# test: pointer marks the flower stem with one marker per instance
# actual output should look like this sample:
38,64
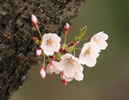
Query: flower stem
74,53
84,39
44,59
78,48
65,39
39,33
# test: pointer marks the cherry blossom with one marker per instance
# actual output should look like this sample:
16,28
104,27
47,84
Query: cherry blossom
71,67
100,40
89,53
50,43
61,60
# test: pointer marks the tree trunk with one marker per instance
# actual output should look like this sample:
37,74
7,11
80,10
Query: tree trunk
17,50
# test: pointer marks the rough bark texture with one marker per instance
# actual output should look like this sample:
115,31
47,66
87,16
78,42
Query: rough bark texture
17,50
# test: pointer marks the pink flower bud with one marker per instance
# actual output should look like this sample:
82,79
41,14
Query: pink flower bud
53,58
66,27
42,72
62,75
34,21
77,42
51,65
89,38
64,82
34,38
38,52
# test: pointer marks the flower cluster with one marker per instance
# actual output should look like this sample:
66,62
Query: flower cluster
61,58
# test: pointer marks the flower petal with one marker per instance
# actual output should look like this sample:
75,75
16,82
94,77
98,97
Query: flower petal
79,76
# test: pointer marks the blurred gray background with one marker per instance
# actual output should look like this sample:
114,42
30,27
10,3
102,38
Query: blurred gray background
109,79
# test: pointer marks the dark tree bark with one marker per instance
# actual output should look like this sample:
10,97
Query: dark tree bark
17,50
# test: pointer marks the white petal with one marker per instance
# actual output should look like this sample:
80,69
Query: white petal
55,69
101,35
68,79
94,53
79,76
78,68
69,71
56,66
90,62
82,58
102,44
48,52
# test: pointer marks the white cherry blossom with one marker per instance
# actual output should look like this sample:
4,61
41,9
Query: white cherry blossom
89,53
71,67
50,43
100,40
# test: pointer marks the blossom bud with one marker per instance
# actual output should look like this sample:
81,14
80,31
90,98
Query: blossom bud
51,65
36,40
34,21
38,52
77,42
64,82
54,58
62,75
66,27
89,38
42,72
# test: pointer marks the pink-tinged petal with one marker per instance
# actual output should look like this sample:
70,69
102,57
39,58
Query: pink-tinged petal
102,44
68,79
78,68
90,62
69,72
94,53
100,35
79,76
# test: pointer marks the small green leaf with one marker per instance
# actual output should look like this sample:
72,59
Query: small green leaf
64,46
81,34
69,49
58,56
